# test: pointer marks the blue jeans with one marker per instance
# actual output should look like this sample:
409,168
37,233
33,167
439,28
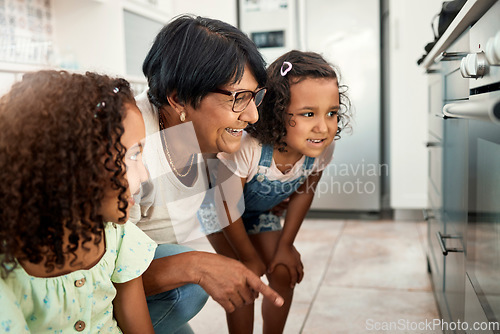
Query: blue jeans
171,310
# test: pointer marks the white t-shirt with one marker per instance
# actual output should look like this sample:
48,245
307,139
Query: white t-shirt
166,209
245,162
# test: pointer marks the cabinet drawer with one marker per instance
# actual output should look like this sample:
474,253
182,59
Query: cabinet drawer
455,86
435,152
436,124
435,201
437,263
435,114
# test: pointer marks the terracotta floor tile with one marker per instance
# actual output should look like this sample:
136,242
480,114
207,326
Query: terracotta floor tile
383,255
353,310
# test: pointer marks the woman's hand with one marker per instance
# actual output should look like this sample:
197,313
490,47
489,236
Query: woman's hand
288,256
230,283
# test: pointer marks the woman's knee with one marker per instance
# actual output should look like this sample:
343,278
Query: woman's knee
171,310
194,298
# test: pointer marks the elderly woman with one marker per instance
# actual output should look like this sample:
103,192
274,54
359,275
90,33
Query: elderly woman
205,82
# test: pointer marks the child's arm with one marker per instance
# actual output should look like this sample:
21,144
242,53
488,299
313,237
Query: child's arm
231,187
130,307
299,204
237,237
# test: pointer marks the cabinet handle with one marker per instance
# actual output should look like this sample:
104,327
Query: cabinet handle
426,214
445,250
432,144
448,56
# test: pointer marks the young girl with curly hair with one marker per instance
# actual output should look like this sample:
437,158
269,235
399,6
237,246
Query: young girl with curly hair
70,148
282,156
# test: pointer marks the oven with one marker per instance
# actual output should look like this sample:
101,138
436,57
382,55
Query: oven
476,120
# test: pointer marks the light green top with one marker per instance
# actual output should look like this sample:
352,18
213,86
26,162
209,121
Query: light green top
57,304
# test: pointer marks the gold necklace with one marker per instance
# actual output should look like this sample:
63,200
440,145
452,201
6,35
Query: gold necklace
169,158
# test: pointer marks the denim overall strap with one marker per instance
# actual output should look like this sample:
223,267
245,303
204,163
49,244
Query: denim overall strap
266,159
308,163
266,156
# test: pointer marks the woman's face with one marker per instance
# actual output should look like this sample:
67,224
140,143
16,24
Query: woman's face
134,133
314,105
218,128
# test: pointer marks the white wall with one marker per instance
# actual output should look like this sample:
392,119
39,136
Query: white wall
224,10
6,81
90,34
410,31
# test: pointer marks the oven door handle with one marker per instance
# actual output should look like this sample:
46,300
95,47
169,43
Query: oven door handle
484,110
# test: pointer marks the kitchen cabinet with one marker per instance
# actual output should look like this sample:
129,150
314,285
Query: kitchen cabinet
447,186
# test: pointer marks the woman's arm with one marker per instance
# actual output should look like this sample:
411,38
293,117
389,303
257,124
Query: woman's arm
130,307
237,237
299,205
227,281
231,189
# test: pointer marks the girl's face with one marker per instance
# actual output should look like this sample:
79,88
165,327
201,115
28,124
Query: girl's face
314,104
134,133
218,128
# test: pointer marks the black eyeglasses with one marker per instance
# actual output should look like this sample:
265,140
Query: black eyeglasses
242,98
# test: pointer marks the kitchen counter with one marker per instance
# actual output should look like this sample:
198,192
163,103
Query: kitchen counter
470,13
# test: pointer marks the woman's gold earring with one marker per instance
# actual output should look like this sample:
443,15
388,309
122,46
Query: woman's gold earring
182,116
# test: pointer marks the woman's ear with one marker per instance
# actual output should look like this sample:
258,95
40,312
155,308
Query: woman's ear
177,105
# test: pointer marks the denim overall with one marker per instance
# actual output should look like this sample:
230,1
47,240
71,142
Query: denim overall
262,194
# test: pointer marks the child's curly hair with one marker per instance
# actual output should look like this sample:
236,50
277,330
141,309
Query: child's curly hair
60,150
271,127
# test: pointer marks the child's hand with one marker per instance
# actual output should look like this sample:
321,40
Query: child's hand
288,256
280,209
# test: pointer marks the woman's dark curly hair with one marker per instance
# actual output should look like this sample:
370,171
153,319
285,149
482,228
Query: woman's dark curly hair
271,127
60,152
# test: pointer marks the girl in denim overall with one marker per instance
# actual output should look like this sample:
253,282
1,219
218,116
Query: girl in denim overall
281,156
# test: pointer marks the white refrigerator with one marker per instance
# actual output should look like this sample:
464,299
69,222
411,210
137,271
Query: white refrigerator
347,34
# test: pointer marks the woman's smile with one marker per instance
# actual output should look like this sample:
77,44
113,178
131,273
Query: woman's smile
218,128
234,132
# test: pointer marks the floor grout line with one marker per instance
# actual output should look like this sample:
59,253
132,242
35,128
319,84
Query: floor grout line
328,262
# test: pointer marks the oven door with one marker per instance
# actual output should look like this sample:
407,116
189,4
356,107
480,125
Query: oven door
483,233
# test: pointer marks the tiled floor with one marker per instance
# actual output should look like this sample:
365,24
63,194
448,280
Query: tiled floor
359,276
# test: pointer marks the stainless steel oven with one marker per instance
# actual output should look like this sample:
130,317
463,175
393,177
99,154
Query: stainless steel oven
479,129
